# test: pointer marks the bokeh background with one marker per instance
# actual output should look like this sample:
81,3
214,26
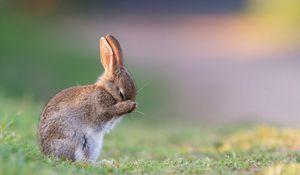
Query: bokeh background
214,61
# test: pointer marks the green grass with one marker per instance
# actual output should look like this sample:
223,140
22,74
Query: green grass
142,146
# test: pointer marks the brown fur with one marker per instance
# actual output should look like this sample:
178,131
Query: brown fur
67,115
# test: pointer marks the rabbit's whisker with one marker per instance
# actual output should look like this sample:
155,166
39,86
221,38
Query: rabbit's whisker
139,112
145,85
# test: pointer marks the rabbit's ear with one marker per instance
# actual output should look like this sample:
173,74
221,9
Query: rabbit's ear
116,48
107,55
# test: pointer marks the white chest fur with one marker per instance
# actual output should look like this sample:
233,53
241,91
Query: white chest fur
95,140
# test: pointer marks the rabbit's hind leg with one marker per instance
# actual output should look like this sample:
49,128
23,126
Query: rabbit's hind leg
63,148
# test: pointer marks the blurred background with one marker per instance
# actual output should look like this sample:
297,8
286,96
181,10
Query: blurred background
215,61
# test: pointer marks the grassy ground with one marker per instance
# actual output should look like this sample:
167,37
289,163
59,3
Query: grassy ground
141,146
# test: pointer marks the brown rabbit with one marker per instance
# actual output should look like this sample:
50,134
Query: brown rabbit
74,121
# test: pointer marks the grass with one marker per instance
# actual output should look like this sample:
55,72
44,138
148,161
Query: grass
141,146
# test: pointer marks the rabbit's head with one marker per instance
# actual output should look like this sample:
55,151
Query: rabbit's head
115,79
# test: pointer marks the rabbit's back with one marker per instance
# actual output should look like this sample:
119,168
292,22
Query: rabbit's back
69,95
80,98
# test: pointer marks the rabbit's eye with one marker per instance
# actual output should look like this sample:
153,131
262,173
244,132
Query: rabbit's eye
121,95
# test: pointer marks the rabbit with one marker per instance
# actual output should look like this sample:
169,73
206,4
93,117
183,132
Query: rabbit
74,122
